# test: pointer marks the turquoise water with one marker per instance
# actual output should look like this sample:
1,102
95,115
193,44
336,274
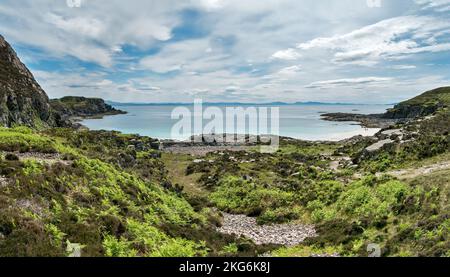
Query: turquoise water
296,121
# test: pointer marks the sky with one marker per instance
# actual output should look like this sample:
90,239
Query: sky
354,51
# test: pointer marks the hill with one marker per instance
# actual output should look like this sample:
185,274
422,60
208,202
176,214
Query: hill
428,103
422,105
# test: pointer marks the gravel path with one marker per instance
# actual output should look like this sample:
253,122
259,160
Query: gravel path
415,172
281,234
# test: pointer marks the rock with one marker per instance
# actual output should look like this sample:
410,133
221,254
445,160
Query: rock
197,161
378,145
71,106
22,100
368,121
280,234
422,106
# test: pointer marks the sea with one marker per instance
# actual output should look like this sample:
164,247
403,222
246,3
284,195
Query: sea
299,121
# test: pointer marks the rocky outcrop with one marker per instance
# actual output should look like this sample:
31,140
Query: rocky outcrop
368,121
72,106
423,105
22,100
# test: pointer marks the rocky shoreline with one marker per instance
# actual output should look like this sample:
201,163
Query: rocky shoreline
367,121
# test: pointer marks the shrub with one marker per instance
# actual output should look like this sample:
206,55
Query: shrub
326,192
21,141
378,202
237,195
11,157
279,215
118,247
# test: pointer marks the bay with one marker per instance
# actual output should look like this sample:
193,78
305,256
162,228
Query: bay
300,121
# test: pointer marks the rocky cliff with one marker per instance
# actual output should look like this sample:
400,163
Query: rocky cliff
22,100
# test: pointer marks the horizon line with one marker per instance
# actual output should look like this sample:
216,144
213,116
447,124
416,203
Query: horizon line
243,103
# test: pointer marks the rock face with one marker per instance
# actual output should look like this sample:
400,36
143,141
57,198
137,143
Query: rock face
22,100
72,106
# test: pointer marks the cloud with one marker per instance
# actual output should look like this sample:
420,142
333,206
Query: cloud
211,4
88,33
393,38
389,39
288,54
438,5
404,66
190,56
231,50
372,81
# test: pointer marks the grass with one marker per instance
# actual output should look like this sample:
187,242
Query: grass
21,139
433,97
110,207
176,165
119,196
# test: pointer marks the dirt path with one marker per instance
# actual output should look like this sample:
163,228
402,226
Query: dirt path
410,173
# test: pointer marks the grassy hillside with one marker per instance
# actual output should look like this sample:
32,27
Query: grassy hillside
353,203
422,105
105,191
439,96
118,195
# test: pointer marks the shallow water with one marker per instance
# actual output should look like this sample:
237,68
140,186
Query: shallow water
296,121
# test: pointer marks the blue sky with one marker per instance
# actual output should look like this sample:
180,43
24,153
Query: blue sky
359,51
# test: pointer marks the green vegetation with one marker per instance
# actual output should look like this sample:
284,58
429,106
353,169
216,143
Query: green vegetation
113,199
440,96
81,106
21,139
353,205
118,195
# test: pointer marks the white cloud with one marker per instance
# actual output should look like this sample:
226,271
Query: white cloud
290,70
189,55
439,5
404,66
388,39
211,4
91,32
288,54
232,50
372,81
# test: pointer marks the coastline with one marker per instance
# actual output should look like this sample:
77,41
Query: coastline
295,123
188,146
